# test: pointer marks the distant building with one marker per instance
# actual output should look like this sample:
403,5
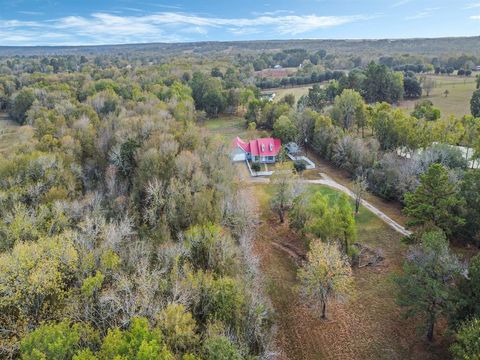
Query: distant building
477,68
277,66
263,151
268,95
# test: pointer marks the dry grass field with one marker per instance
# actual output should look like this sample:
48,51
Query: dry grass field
297,91
458,100
368,326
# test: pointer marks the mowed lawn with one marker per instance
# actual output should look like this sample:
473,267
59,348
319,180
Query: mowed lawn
12,135
368,326
458,100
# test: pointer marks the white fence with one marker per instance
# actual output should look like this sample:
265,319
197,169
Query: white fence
310,165
258,173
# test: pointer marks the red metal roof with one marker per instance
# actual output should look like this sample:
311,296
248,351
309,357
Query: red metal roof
260,147
241,144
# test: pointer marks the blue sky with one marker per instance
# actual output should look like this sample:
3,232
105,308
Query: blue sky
53,22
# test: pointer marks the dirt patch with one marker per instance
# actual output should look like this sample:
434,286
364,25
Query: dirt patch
298,257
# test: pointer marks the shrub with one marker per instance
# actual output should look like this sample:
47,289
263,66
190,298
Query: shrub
299,166
467,346
220,348
256,167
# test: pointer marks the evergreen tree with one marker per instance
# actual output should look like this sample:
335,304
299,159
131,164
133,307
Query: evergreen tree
425,285
475,103
435,202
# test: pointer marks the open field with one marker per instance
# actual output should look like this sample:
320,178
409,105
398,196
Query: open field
457,102
369,326
297,91
276,73
12,135
229,127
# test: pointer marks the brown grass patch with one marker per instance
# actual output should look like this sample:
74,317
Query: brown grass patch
368,326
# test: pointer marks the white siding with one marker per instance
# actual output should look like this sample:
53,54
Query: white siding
238,155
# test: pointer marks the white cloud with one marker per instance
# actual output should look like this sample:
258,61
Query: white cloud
109,28
401,2
12,24
472,6
420,15
272,13
475,17
195,30
31,12
423,14
132,9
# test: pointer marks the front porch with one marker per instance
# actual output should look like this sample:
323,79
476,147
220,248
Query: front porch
262,159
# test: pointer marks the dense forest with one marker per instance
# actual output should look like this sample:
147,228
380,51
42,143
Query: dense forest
122,232
125,234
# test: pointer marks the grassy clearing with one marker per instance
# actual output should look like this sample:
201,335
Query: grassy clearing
457,102
229,127
12,136
297,91
369,326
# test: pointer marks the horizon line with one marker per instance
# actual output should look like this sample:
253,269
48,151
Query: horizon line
241,41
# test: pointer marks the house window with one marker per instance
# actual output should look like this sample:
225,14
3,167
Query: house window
263,147
271,146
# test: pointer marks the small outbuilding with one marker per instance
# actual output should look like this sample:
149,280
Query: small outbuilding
293,148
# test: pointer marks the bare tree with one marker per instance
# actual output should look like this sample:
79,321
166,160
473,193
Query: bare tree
359,189
285,183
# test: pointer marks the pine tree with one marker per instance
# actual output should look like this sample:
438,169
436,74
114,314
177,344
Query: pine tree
435,202
424,286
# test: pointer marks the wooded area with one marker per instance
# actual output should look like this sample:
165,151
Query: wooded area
125,231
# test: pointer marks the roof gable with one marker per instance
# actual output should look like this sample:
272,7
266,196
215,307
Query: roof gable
260,147
241,144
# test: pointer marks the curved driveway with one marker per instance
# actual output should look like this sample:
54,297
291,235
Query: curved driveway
327,181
